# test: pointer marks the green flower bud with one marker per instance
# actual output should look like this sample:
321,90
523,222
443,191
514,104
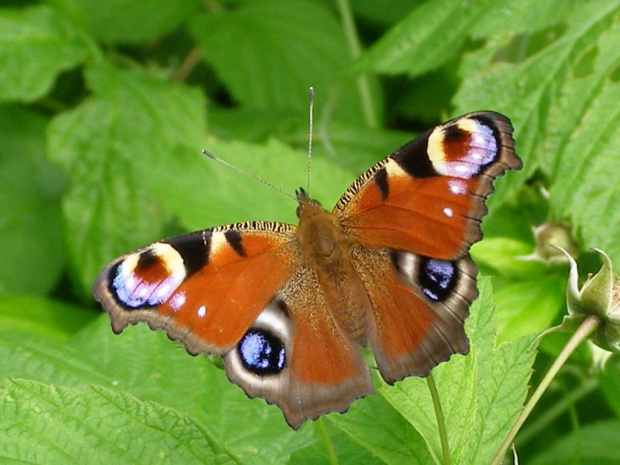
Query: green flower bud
599,296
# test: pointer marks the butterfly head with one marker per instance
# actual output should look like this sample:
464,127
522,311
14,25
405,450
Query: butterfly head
307,207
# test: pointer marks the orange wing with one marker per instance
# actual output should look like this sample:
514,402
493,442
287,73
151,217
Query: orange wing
429,196
205,289
419,308
411,220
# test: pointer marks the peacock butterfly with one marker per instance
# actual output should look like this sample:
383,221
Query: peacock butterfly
288,307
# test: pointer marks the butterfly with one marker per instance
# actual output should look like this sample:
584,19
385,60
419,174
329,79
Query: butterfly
289,307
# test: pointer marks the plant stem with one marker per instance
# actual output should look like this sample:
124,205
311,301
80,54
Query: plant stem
533,429
188,65
587,327
355,48
329,447
441,423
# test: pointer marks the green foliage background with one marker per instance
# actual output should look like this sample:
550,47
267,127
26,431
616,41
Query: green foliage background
104,108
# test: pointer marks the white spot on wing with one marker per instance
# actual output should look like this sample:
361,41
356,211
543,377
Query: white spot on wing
143,291
202,311
163,291
476,156
177,301
457,187
479,140
448,212
461,170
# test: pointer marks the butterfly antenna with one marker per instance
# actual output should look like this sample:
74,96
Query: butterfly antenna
311,118
249,175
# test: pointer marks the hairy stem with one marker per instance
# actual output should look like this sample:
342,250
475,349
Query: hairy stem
586,328
544,420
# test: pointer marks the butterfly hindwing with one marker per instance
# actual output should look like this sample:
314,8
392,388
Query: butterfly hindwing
295,356
419,308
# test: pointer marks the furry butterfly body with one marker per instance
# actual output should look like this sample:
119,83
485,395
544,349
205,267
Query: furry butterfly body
287,308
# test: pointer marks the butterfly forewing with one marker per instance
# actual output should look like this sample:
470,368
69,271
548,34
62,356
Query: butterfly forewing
204,289
429,196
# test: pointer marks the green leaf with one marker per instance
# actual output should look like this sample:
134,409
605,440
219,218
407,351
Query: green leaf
127,21
430,35
151,368
383,13
508,257
267,53
481,394
345,448
95,425
358,148
585,136
350,146
524,17
375,426
275,162
529,306
45,317
109,145
36,45
32,243
595,444
560,97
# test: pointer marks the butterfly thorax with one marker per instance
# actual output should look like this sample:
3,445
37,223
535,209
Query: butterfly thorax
325,249
320,235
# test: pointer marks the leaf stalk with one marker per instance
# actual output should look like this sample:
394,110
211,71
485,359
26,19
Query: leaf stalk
441,422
